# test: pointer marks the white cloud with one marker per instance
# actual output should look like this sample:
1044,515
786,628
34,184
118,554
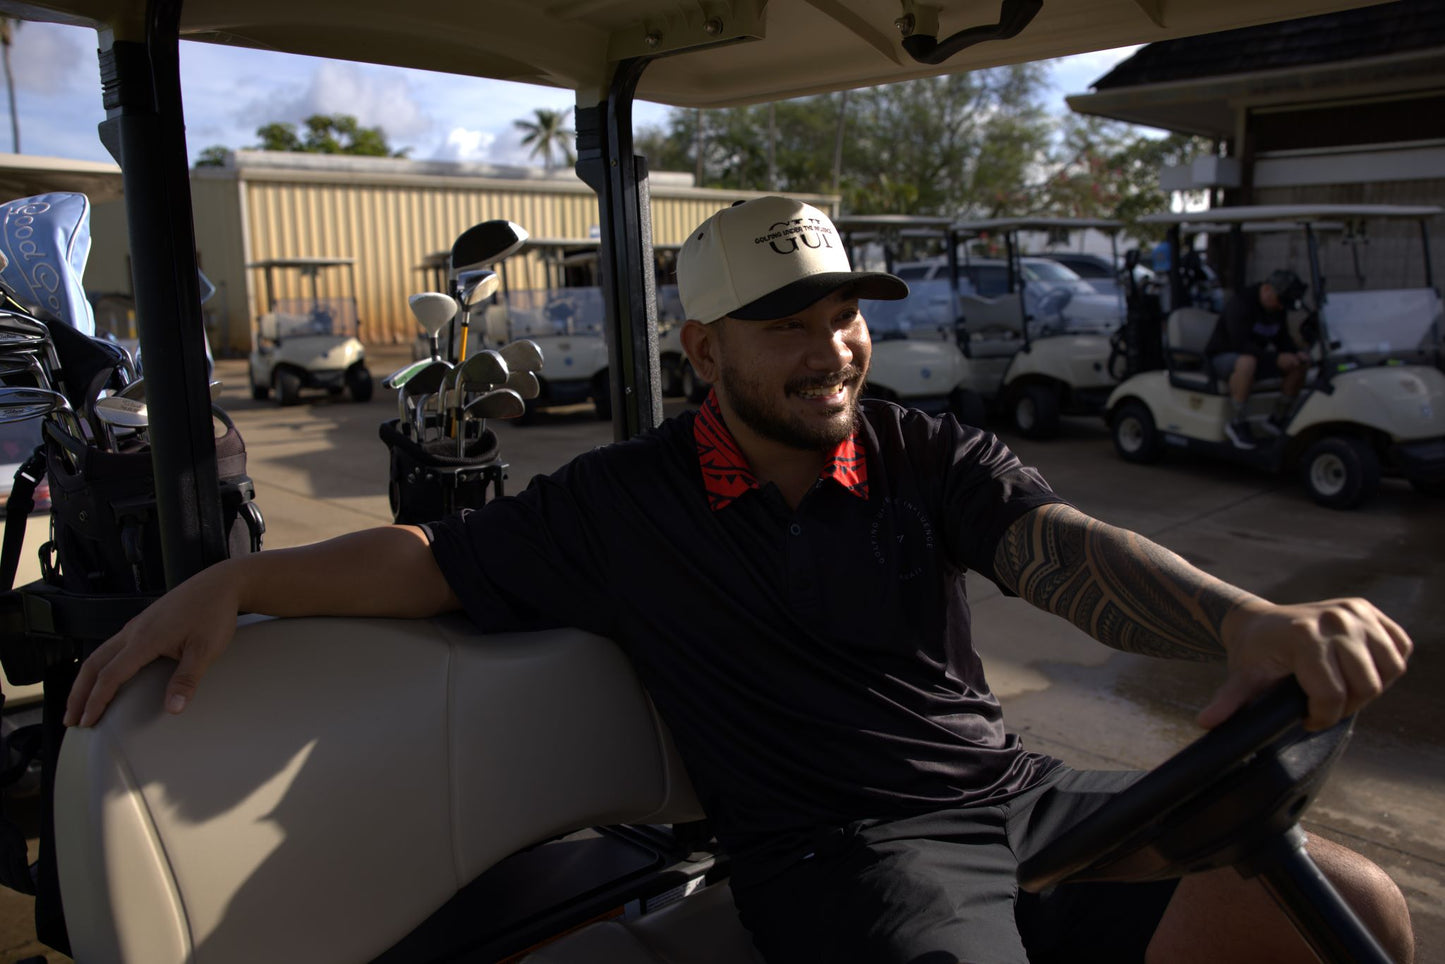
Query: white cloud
466,145
52,59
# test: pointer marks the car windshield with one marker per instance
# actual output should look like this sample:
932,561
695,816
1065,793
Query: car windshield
1376,327
1050,271
555,311
295,317
926,311
1086,267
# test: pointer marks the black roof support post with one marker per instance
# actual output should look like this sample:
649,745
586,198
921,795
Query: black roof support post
606,163
144,131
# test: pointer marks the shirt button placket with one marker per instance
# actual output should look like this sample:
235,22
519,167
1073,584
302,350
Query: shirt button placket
801,568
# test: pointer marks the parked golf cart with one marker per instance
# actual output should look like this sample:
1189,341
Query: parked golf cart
304,338
284,817
1035,336
1374,401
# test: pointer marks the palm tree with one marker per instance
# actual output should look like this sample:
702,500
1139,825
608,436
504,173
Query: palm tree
547,131
7,37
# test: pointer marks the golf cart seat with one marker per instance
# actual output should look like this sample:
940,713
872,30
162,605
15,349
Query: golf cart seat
994,325
336,781
1188,332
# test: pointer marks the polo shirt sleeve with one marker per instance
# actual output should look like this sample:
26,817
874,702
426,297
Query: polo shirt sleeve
985,490
536,560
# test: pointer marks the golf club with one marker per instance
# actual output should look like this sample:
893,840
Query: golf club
481,246
522,355
423,381
524,384
484,370
498,403
476,288
432,310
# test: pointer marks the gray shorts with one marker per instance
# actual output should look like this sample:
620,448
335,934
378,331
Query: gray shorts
1267,365
941,887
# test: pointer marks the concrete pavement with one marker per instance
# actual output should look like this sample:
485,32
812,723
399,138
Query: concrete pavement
321,470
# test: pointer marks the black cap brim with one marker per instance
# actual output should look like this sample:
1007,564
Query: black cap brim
793,298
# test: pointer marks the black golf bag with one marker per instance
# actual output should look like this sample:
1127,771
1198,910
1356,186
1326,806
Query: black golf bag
428,479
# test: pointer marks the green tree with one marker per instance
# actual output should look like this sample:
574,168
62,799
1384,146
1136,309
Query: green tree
213,156
327,134
547,132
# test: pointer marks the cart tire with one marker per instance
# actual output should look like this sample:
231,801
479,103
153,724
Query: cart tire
259,392
693,388
288,386
358,382
968,407
1340,472
602,396
1136,437
1035,410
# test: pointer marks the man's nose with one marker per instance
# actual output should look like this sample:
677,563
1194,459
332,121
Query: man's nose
830,351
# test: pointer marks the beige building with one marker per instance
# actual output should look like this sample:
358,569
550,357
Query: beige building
388,214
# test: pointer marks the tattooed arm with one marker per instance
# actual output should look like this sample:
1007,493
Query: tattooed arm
1137,596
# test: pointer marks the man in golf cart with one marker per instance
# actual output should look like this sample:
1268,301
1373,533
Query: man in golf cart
1252,341
794,604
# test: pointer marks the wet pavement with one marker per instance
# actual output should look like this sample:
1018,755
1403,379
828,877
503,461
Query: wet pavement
321,470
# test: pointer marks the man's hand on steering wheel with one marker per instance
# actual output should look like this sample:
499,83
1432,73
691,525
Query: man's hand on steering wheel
1344,652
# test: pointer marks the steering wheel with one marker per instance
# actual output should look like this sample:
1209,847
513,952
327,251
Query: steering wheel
1231,798
1053,302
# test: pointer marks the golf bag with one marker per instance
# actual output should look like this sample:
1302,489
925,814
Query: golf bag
429,481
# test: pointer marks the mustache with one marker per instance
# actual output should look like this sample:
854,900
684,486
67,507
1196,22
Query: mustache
848,375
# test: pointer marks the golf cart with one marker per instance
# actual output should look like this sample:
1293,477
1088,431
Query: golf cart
1036,337
284,817
1374,401
304,338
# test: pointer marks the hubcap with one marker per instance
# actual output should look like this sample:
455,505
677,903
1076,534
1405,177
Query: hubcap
1328,474
1130,435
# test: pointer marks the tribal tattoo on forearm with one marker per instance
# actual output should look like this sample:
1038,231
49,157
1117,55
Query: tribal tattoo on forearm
1115,585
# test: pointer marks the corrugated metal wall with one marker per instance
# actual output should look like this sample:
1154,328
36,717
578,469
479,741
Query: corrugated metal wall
389,225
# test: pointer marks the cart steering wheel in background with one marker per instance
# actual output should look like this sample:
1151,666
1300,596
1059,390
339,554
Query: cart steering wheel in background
1231,798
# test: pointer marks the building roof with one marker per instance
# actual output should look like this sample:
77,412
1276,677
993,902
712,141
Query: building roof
1374,31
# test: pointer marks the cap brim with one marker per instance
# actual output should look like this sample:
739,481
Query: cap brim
804,292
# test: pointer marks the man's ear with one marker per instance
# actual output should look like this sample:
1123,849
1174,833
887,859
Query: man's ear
699,341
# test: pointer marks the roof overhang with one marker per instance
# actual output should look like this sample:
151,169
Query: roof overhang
26,175
1276,215
1211,106
710,52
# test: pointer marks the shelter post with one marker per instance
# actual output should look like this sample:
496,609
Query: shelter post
144,131
607,164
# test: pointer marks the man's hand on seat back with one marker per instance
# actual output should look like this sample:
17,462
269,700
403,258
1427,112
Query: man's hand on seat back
1344,652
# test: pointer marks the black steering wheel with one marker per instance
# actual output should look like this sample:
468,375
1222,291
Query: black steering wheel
1231,798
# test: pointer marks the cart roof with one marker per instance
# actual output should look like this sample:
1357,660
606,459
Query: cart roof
301,262
1037,224
888,222
1292,214
738,51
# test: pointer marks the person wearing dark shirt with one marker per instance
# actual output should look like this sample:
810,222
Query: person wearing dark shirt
1253,341
785,569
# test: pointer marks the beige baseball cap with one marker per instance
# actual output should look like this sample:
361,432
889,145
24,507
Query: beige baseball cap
768,258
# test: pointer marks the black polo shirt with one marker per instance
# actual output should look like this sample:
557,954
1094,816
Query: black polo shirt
814,666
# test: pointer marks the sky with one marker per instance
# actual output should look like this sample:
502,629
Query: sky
438,116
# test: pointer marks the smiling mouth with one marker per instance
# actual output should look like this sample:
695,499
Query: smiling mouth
821,391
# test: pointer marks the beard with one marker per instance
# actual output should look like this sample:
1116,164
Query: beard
749,400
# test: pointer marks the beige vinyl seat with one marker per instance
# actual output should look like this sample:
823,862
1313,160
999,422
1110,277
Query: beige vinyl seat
995,326
337,780
1188,332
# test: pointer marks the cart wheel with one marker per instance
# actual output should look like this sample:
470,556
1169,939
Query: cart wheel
1340,472
693,389
968,407
1136,438
288,386
602,396
358,382
260,391
1036,411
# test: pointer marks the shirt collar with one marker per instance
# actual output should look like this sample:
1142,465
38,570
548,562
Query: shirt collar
725,472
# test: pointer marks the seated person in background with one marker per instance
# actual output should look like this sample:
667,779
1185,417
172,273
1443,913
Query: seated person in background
1253,341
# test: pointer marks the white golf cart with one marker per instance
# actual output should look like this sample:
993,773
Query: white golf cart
1374,400
1036,337
304,338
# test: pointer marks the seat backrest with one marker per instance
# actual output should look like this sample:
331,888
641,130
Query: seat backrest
1189,329
982,315
337,780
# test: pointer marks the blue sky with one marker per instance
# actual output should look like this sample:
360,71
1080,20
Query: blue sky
439,116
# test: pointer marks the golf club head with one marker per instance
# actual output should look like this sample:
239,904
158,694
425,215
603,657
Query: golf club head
119,412
486,369
19,403
498,403
19,332
428,378
479,287
432,310
485,244
524,384
523,355
137,389
405,373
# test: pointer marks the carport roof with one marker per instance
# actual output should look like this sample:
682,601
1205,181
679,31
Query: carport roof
1197,85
